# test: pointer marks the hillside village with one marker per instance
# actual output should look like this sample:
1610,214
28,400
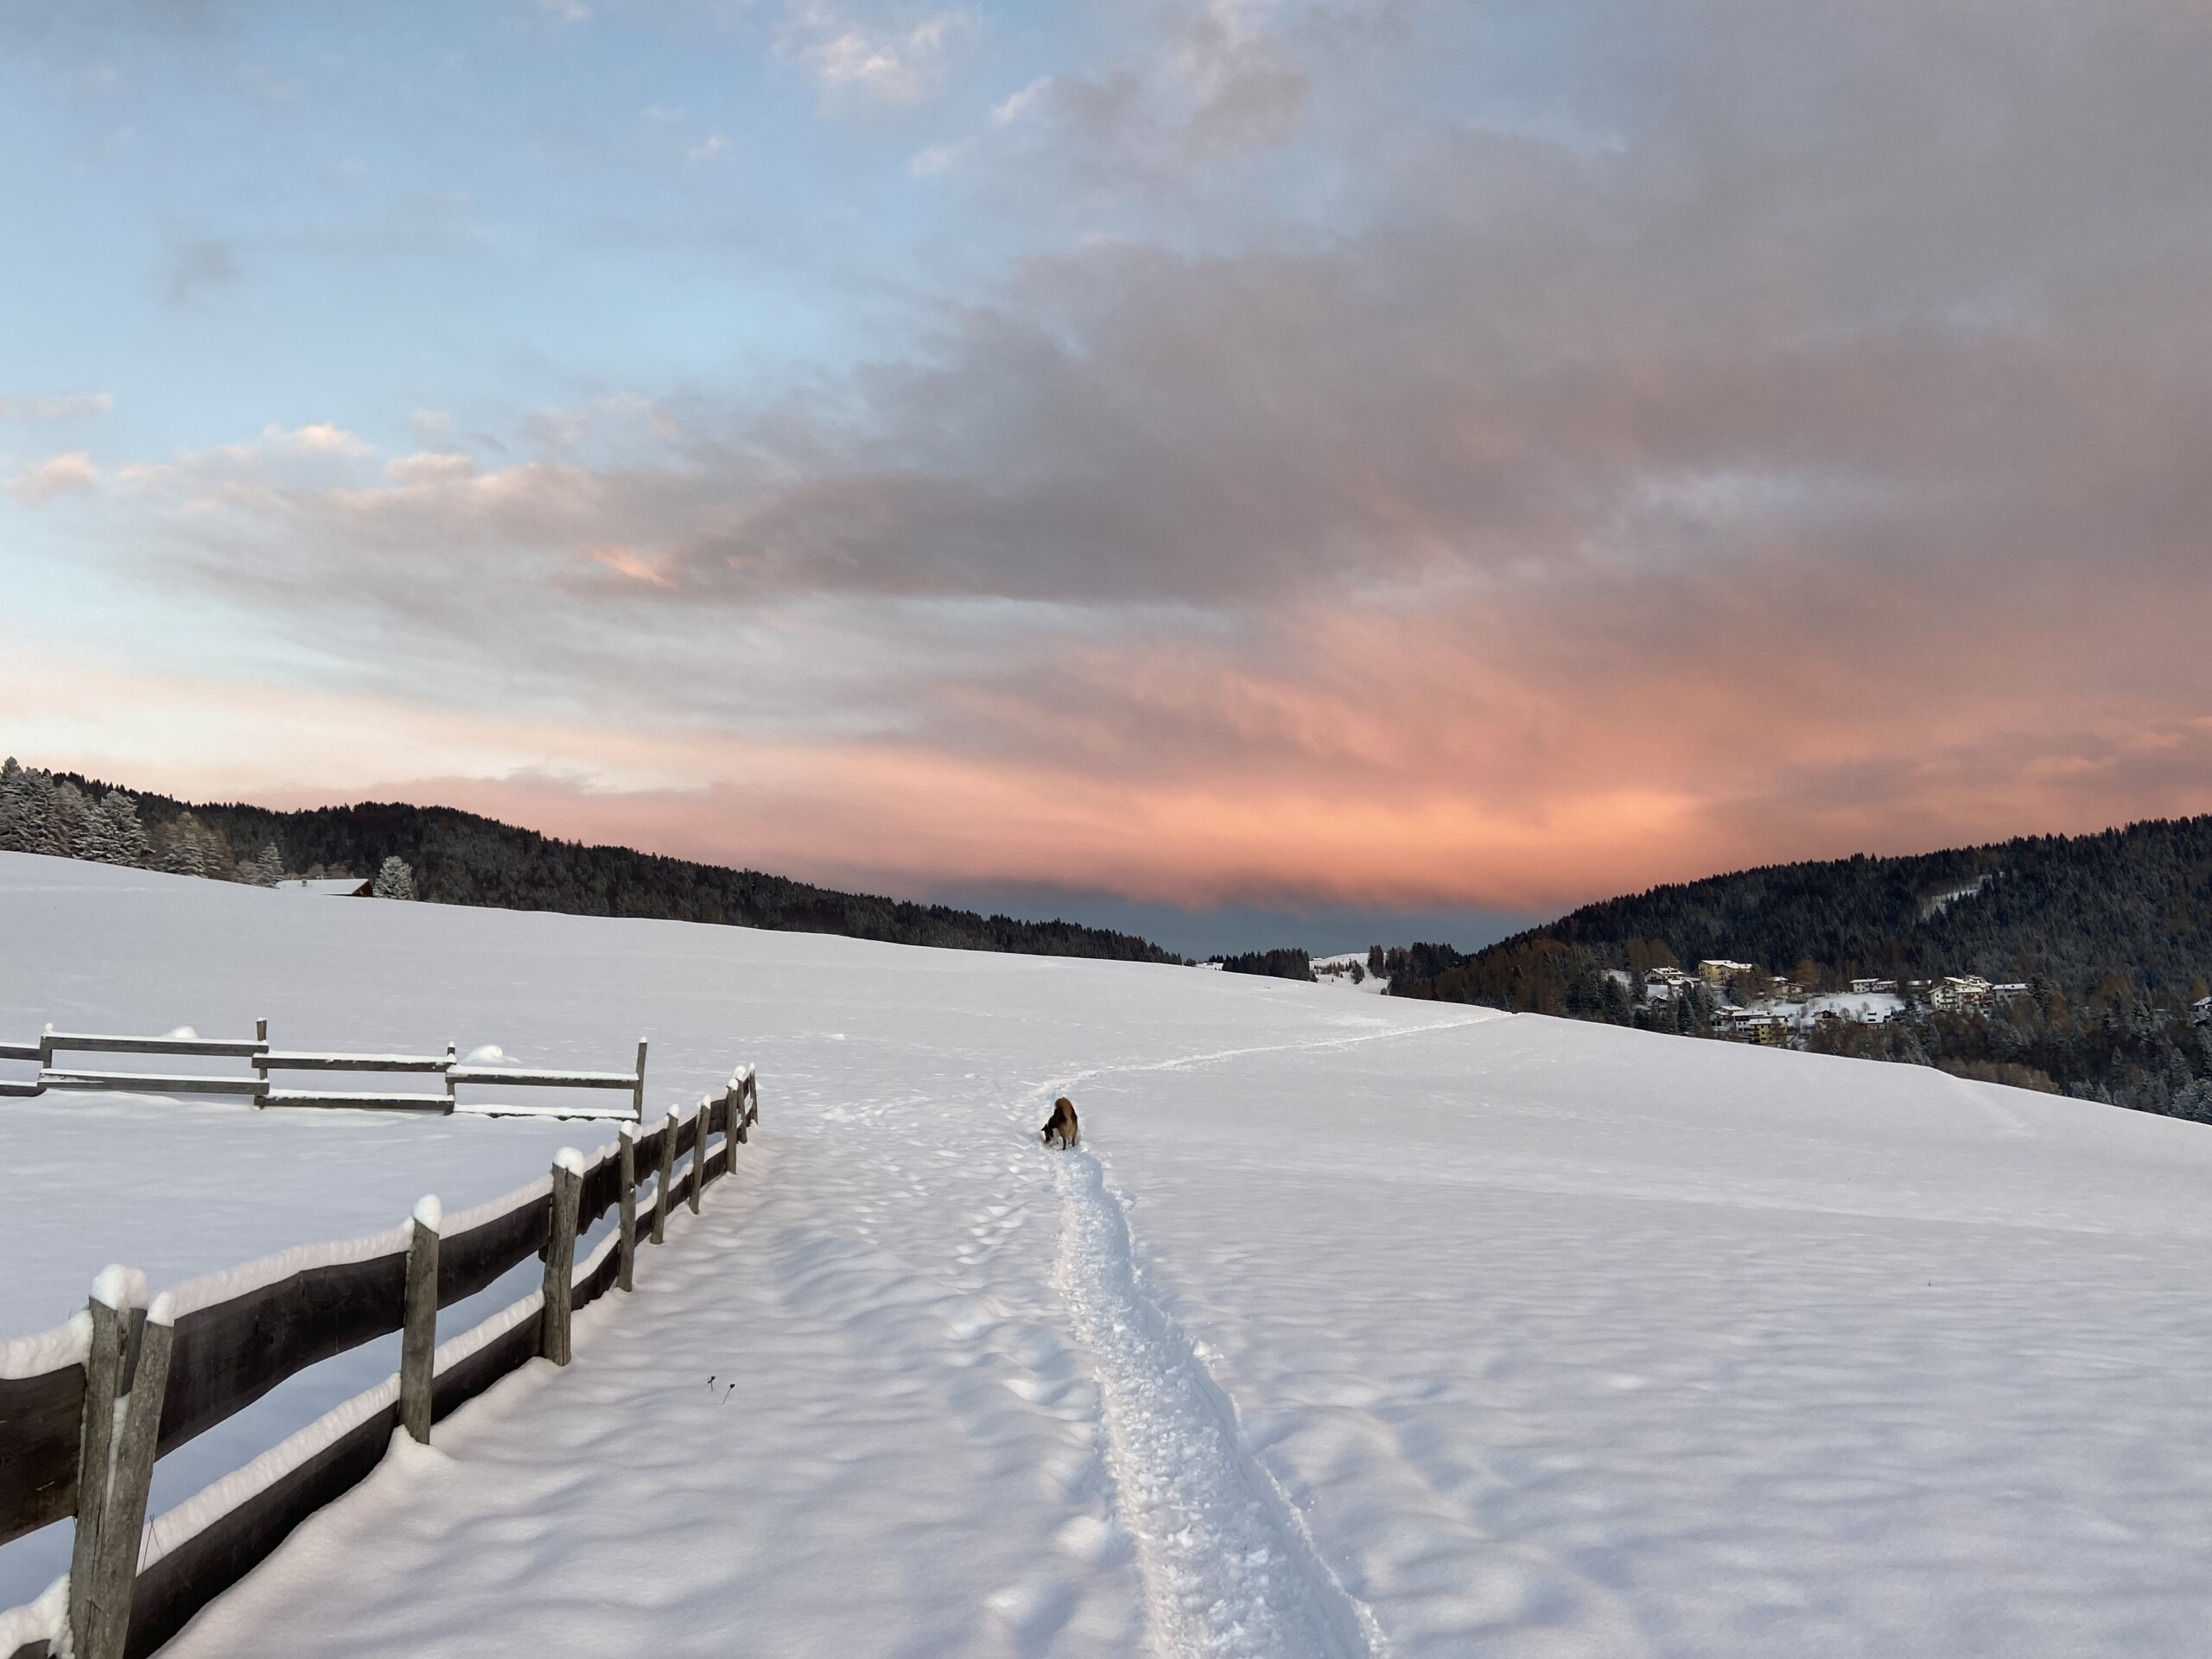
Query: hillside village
1750,1005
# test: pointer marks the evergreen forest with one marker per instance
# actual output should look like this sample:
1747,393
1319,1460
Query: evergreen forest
451,857
2111,934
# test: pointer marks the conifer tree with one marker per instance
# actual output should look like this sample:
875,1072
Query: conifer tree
110,833
95,841
125,836
65,820
187,852
23,808
394,880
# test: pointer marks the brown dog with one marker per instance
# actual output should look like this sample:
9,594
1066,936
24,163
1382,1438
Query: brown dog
1062,1125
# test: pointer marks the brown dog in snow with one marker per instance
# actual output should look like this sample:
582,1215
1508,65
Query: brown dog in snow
1062,1125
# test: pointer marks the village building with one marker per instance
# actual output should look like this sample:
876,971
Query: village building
1873,988
1718,970
1960,993
1761,1025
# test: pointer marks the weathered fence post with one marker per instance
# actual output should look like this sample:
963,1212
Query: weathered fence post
123,1520
628,1137
667,1177
698,1154
638,1093
561,1255
737,1094
706,1127
112,1308
418,1330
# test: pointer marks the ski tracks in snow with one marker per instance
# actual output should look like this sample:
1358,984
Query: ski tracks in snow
1228,1568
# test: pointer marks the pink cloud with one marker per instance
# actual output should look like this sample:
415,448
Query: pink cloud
70,474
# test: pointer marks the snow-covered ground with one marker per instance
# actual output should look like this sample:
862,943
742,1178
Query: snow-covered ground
1336,971
1357,1327
1867,1007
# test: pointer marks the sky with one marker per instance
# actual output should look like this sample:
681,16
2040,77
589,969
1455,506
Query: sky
1369,469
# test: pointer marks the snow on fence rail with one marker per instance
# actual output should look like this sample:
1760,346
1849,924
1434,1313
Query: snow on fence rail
86,1408
265,1060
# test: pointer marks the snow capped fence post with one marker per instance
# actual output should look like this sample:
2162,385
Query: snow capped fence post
115,1571
628,1191
638,1093
667,1178
699,1126
119,1296
561,1255
418,1330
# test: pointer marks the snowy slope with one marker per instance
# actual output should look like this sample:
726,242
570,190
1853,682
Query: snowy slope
1357,1328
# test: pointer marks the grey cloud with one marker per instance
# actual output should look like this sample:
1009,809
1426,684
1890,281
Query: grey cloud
197,268
273,92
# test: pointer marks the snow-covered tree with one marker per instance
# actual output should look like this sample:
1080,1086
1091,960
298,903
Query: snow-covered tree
131,832
187,848
263,870
23,808
186,853
95,837
395,880
65,820
111,832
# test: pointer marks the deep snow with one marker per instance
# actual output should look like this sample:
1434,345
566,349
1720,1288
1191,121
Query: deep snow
1356,1326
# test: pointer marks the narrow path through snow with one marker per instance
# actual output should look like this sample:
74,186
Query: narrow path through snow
1228,1568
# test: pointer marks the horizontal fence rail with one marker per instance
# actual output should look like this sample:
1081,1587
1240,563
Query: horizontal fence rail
266,1061
85,1410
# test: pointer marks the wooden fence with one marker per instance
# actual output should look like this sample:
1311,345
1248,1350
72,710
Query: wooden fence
86,1409
265,1060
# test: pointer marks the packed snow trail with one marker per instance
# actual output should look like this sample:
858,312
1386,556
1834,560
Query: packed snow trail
1227,1569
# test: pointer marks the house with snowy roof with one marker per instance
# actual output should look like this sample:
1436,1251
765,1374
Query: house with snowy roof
1768,1026
1960,993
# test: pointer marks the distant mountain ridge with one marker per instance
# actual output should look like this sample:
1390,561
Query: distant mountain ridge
2069,909
2107,939
461,858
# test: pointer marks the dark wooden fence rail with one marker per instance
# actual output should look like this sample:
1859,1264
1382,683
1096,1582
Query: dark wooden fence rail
85,1410
265,1060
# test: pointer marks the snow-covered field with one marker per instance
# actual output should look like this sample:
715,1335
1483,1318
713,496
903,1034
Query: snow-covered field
1357,1328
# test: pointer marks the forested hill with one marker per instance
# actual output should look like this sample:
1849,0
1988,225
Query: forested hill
459,858
2076,912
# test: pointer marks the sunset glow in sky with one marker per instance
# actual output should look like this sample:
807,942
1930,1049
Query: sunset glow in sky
1376,455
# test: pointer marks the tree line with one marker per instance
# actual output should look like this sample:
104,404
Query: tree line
461,858
1268,964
